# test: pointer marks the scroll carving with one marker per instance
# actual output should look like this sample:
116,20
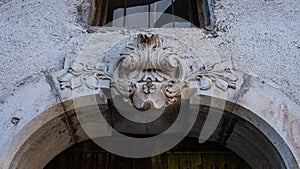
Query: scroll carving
79,74
148,74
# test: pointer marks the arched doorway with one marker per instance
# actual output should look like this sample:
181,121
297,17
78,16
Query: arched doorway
259,124
62,130
188,154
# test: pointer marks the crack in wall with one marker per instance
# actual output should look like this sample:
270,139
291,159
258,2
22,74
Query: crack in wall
66,119
229,123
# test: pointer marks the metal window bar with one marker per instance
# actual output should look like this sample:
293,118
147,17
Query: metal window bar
173,14
149,14
124,18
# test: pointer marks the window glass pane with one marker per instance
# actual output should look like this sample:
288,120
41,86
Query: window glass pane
157,8
115,12
137,16
118,21
182,13
168,15
163,13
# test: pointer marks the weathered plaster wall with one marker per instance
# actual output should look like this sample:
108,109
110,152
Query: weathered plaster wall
263,39
260,37
35,36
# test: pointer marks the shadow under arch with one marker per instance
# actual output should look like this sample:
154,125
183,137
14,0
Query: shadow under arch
57,128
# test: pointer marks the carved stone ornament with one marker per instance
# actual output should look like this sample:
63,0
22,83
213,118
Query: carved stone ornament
147,74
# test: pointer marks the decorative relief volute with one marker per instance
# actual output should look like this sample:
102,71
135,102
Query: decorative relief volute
151,71
148,74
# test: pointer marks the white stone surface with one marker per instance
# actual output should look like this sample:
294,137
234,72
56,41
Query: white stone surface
258,37
26,103
261,38
35,36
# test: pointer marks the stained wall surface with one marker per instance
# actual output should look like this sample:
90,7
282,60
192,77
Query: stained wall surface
261,38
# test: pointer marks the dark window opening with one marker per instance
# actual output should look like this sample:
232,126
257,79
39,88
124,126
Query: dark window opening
151,13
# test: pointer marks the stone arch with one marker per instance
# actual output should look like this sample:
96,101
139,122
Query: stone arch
51,125
37,143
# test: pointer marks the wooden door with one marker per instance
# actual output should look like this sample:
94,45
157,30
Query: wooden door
186,155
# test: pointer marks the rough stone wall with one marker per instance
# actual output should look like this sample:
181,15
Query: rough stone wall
259,37
263,39
35,36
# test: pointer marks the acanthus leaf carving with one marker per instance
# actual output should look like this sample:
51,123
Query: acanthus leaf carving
148,74
156,71
223,79
79,74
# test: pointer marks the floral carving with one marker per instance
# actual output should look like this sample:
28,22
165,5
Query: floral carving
148,74
89,75
223,78
156,71
149,87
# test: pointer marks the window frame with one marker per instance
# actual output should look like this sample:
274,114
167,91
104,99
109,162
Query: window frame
200,12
